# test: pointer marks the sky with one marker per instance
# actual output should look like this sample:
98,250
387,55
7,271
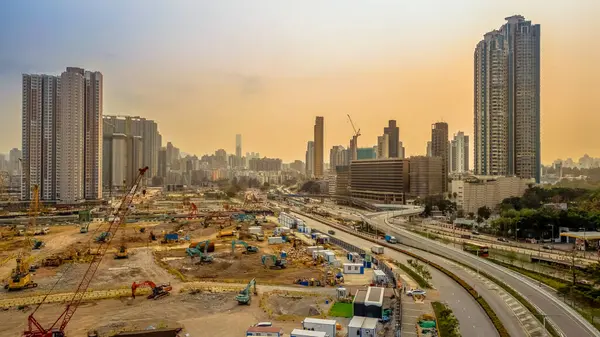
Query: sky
205,70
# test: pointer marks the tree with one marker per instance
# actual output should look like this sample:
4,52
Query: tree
471,215
460,213
484,212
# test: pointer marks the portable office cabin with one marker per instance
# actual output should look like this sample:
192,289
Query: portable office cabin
379,277
325,325
362,326
353,268
270,331
374,302
358,304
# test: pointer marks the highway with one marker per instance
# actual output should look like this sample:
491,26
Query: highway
473,320
569,321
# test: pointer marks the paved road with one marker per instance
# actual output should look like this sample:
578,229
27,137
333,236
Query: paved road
570,322
473,320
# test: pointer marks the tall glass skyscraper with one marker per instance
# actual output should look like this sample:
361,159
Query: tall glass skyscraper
507,100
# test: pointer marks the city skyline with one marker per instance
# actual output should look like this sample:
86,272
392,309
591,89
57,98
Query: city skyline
373,86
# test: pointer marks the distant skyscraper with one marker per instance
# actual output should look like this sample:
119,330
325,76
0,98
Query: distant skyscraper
318,147
401,150
507,100
383,146
338,156
310,159
394,137
162,163
14,157
428,150
439,148
238,145
459,153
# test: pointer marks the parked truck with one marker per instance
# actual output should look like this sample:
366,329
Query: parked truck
377,250
390,239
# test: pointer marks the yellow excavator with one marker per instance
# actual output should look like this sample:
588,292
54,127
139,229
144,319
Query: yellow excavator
21,277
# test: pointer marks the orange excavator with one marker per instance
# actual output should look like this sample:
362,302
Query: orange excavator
157,291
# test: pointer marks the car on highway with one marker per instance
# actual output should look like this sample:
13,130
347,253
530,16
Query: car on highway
331,232
549,247
412,292
502,239
475,232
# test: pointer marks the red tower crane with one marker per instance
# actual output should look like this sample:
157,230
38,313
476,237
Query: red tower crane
57,329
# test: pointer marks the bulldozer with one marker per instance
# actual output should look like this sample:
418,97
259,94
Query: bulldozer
21,277
245,295
122,252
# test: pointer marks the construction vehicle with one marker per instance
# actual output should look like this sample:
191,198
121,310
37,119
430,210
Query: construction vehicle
249,249
37,244
84,228
170,238
258,237
59,325
21,277
226,233
41,231
103,237
202,254
245,296
122,252
157,291
273,261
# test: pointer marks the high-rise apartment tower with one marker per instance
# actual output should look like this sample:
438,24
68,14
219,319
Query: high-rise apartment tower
507,100
439,148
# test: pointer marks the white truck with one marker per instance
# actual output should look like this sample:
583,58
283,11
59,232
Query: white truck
377,249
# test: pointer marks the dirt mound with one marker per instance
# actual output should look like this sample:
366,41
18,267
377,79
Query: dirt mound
296,305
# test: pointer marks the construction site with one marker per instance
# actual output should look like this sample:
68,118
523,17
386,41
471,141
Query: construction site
203,260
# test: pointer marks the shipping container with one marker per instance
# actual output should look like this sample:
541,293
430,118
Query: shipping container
273,240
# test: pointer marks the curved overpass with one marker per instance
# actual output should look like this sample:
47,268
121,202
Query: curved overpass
560,314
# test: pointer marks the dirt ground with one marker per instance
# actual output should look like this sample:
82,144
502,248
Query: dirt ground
294,305
218,313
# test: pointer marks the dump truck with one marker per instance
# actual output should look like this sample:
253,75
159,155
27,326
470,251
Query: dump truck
226,233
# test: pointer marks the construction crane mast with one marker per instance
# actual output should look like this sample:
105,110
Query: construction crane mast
354,140
35,329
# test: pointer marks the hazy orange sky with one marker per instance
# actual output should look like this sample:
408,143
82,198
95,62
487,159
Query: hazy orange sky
206,70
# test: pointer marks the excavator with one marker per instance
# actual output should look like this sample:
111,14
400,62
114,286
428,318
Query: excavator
249,249
245,296
103,237
274,261
59,324
157,291
202,254
21,277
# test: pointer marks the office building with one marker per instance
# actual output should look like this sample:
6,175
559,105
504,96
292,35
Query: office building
338,156
381,180
459,153
310,159
383,146
40,113
439,148
477,191
298,166
366,153
318,147
425,176
393,133
507,100
342,180
238,145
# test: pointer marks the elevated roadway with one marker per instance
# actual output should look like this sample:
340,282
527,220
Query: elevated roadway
472,319
556,312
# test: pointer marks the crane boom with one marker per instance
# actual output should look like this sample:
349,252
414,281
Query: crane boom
35,328
356,133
